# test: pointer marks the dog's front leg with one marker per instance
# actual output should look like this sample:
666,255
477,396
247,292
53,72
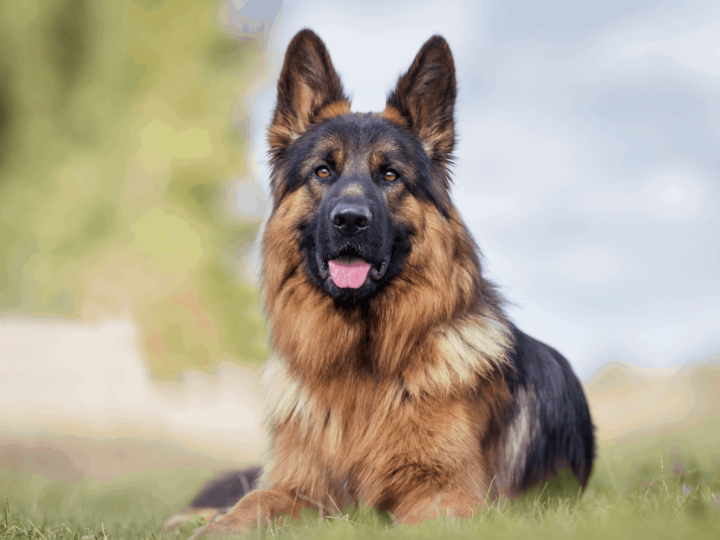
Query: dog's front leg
417,507
256,508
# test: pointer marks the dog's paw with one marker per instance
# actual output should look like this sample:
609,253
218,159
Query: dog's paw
192,518
218,529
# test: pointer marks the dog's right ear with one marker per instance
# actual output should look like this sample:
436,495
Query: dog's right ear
308,83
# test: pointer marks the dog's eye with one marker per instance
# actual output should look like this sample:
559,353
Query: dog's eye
322,172
390,175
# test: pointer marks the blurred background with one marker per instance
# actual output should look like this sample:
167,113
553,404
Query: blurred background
133,180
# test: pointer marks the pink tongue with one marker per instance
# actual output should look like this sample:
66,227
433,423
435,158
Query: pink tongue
346,274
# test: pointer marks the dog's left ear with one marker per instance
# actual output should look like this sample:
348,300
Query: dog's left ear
425,98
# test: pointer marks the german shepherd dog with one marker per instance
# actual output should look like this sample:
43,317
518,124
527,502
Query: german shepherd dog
396,378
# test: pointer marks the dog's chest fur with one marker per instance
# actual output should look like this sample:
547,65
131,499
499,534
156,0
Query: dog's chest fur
364,437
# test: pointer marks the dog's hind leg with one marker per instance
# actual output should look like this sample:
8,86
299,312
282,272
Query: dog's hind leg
257,508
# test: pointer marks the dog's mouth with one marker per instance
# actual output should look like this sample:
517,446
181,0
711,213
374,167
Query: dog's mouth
350,271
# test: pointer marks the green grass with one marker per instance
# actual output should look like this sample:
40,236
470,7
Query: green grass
630,495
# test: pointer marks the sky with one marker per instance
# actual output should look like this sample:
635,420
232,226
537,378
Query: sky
588,161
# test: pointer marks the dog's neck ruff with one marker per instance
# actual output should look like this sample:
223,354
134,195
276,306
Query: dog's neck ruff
465,354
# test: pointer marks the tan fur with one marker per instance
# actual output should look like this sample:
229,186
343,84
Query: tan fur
256,508
353,189
339,108
355,439
393,115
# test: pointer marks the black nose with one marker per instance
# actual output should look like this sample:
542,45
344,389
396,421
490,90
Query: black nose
351,219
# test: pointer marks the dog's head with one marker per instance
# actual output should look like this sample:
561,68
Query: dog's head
351,190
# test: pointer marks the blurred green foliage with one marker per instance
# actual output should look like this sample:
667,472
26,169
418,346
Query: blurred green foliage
116,148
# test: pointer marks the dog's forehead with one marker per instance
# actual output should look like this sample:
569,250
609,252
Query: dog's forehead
373,124
363,120
363,132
